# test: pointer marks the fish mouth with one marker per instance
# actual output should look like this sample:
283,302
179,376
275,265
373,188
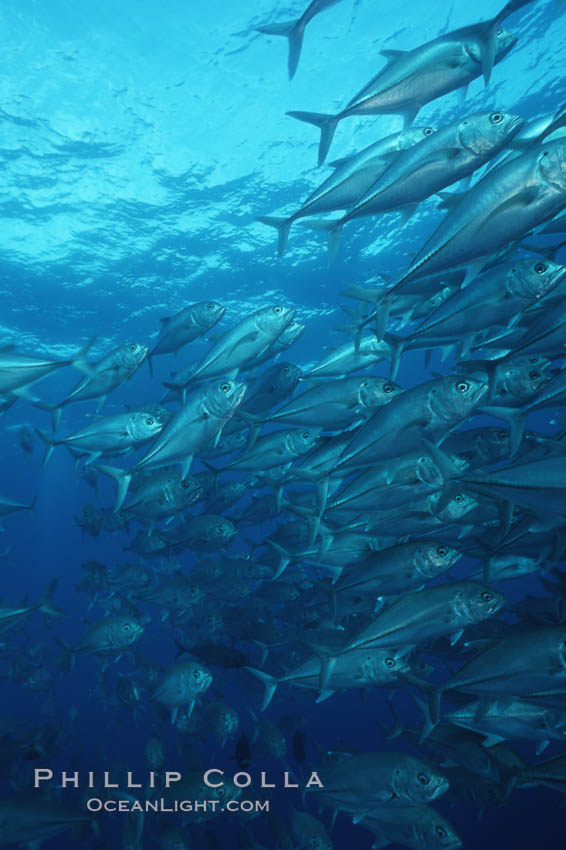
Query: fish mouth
441,788
289,315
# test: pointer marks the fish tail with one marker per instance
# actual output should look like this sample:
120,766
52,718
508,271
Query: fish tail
431,710
398,728
79,362
180,649
516,419
382,316
53,409
45,603
397,349
122,479
66,662
283,227
150,365
49,443
209,466
322,494
294,31
327,125
269,682
313,519
284,558
174,387
447,468
488,48
31,506
332,228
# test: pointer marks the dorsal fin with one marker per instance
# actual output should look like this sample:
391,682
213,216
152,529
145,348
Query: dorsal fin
392,55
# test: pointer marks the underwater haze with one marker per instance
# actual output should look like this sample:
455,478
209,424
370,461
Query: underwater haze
282,422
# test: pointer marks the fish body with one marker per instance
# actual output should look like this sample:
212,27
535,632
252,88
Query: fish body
445,157
335,405
398,568
185,326
417,827
111,635
108,435
418,617
348,358
352,177
361,783
108,374
198,421
431,408
181,684
517,665
280,447
506,204
412,78
241,345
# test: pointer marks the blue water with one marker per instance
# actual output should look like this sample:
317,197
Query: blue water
138,143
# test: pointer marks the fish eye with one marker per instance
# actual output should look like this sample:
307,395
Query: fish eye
442,551
220,529
499,31
127,627
423,779
196,674
440,831
390,662
149,421
387,388
277,309
463,386
502,435
540,268
496,117
286,370
459,498
428,131
210,306
225,387
306,435
486,596
132,347
184,484
534,375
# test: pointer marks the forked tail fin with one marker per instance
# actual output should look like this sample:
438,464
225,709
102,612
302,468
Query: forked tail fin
327,125
292,30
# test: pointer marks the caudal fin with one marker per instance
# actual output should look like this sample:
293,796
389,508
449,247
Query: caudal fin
284,558
327,125
49,444
294,31
283,226
122,479
53,409
45,603
79,362
333,228
269,682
